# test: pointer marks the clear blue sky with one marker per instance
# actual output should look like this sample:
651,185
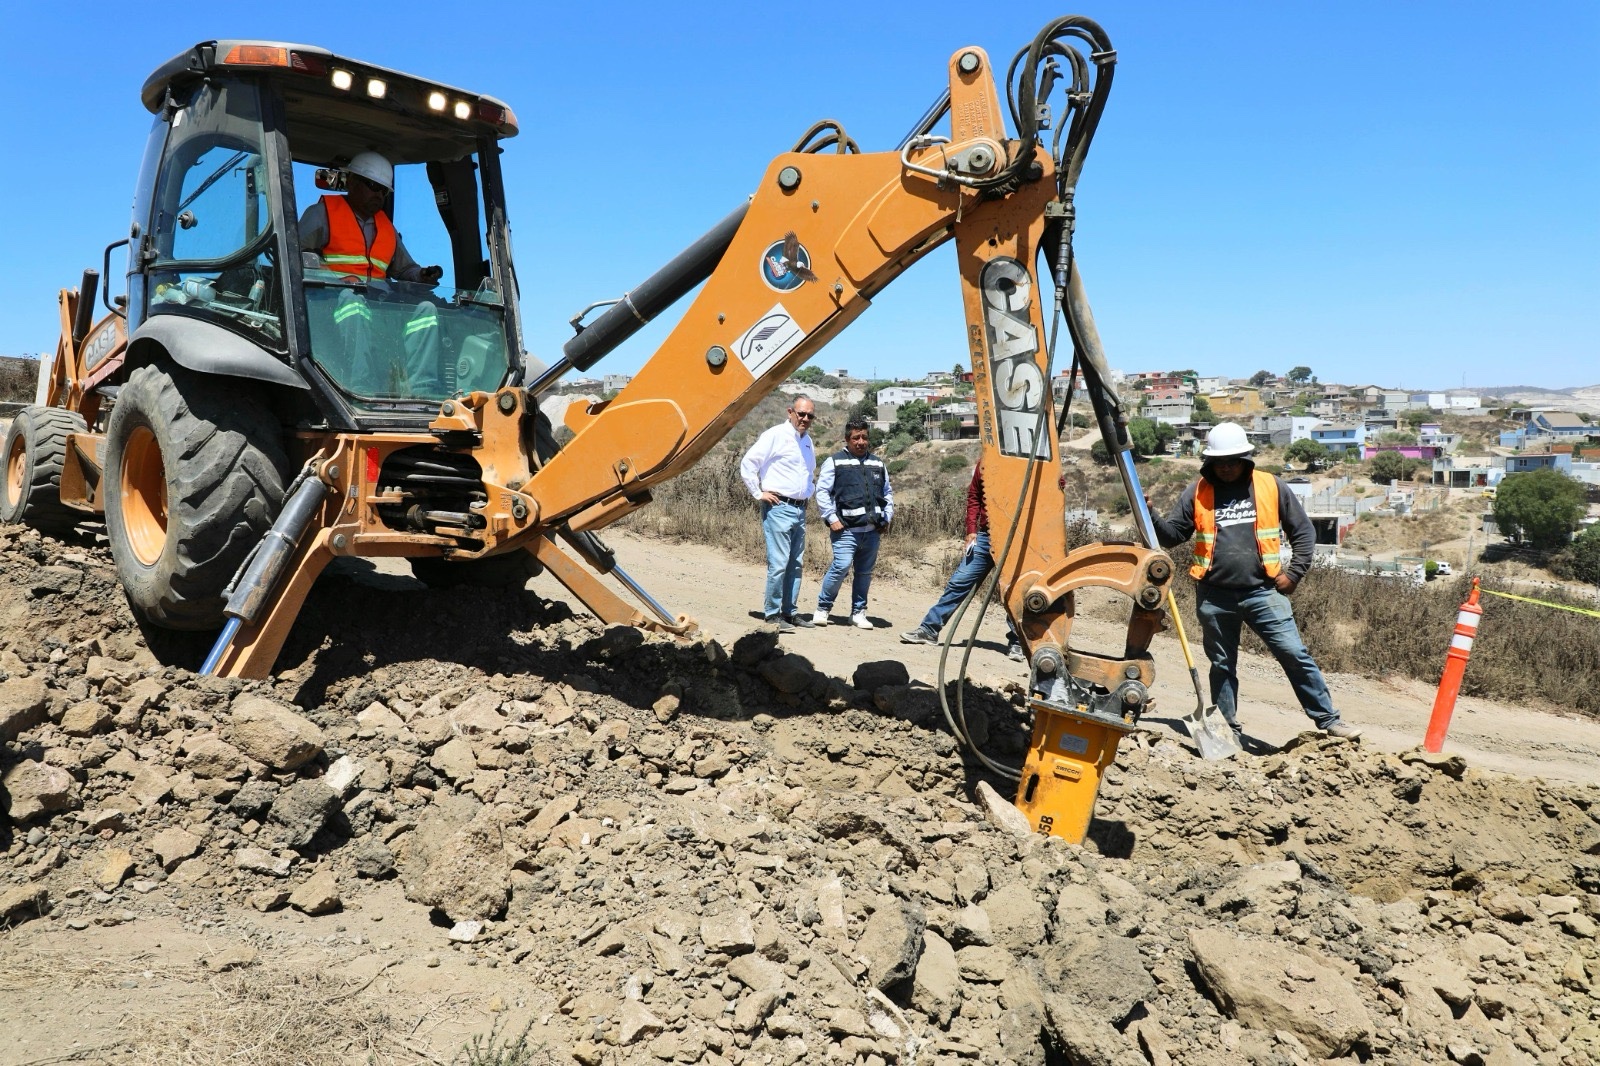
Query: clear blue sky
1393,193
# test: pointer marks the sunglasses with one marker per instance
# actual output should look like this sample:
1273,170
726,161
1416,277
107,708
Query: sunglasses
803,414
367,183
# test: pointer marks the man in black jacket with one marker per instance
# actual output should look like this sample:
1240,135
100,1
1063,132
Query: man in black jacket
1238,517
855,500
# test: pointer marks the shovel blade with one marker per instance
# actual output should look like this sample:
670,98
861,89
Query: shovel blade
1211,734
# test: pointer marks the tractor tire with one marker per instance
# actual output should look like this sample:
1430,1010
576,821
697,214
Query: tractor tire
36,452
508,570
195,475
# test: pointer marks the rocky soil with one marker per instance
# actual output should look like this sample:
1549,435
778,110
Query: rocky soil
455,810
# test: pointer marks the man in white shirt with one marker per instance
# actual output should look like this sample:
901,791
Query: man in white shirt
778,472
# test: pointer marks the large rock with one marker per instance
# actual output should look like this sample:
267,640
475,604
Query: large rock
789,673
1271,987
22,705
271,733
1116,983
869,677
208,755
302,810
730,932
469,878
21,902
936,987
892,942
319,894
1087,1039
1016,917
174,845
37,788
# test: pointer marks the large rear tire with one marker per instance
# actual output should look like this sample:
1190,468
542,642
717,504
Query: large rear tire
195,475
35,453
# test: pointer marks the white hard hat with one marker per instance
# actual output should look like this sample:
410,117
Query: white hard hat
1227,440
373,167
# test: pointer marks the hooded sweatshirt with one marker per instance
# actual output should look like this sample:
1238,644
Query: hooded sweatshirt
1236,563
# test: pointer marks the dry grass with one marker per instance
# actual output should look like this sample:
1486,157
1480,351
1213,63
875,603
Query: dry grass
261,1017
1359,624
708,504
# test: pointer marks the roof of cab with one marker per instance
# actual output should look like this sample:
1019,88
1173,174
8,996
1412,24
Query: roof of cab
208,56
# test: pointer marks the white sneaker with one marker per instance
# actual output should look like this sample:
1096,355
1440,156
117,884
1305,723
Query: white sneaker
820,618
860,620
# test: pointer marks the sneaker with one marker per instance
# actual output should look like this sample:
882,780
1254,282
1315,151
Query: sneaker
820,618
1343,729
860,620
782,623
920,635
1015,653
800,621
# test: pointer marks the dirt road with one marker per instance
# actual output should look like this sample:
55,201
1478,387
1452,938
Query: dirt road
724,595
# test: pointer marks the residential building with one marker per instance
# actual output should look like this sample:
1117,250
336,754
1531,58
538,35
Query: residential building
1340,437
615,382
964,414
1466,405
1427,452
1284,430
1530,461
1468,471
1562,425
1174,412
1206,386
1238,401
899,394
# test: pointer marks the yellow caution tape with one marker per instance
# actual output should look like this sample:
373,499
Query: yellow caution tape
1542,603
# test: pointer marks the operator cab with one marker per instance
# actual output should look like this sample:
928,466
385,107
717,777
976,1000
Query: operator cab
249,135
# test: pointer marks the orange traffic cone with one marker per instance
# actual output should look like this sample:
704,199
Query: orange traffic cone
1455,667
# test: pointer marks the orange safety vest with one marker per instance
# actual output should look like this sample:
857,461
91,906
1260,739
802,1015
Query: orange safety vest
1269,534
346,251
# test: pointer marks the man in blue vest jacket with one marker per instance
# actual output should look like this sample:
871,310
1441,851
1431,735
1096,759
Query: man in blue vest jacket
855,500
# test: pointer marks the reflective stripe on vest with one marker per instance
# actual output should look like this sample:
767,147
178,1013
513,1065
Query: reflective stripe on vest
1269,534
347,251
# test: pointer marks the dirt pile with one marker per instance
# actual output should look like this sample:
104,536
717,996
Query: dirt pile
658,853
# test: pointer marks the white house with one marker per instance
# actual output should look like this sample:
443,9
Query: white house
900,394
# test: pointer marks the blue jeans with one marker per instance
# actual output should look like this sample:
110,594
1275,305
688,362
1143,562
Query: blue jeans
857,547
975,566
784,525
1267,611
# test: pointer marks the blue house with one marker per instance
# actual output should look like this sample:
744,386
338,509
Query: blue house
1340,437
1563,425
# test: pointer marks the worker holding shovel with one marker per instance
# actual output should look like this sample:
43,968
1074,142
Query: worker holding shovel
1239,519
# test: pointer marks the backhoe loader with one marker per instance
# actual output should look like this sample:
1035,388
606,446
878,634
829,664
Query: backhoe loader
251,408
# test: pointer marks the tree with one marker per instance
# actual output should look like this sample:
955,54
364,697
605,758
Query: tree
1260,378
1202,410
1416,416
1582,559
1299,375
1100,453
958,369
908,420
1307,451
1393,436
1149,437
1541,507
1388,467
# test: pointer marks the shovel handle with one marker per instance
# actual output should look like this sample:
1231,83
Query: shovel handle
1177,621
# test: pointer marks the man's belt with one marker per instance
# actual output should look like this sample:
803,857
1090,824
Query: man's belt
790,500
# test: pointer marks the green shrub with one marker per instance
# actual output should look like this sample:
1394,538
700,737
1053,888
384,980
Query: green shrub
897,465
896,444
954,462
